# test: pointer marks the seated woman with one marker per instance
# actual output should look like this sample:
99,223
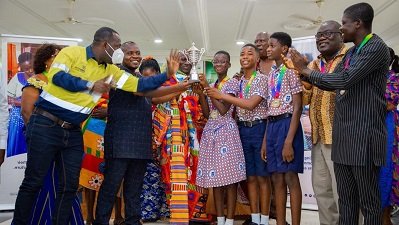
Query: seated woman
45,203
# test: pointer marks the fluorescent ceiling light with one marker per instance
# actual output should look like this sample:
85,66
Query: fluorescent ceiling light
240,42
158,41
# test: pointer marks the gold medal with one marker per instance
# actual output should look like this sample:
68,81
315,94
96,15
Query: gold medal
275,103
214,114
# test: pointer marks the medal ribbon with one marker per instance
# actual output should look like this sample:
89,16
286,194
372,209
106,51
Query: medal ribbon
323,66
248,86
218,85
277,87
357,49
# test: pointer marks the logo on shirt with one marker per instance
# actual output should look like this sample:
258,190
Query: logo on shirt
212,173
241,166
199,172
223,150
81,68
255,81
287,98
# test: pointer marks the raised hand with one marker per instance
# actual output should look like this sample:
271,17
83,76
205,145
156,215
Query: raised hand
300,62
287,62
172,62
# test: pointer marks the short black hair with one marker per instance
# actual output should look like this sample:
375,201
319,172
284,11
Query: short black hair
44,53
334,23
282,38
104,34
224,53
361,11
126,44
149,63
252,46
23,57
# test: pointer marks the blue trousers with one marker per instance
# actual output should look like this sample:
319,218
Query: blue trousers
48,142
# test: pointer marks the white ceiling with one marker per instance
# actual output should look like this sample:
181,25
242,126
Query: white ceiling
212,24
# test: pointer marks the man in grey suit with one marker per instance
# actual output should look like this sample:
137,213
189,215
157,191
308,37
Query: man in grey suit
359,132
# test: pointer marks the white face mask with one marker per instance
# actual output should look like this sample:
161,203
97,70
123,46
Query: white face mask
117,55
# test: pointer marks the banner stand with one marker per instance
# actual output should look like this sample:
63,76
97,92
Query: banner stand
13,168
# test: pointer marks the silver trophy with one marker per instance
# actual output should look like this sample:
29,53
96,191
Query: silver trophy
193,56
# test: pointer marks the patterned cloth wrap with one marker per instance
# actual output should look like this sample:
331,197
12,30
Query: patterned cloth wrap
392,96
91,174
178,126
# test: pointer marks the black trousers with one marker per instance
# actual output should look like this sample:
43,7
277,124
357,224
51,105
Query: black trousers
357,188
132,172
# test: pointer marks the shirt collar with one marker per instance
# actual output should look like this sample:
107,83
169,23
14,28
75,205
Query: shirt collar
340,53
136,74
90,55
277,68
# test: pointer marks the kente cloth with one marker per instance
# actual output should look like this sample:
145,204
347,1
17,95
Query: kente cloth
177,129
91,174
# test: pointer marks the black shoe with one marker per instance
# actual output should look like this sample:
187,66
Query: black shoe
247,221
191,222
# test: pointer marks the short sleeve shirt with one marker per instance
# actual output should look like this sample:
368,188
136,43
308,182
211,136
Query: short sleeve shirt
290,86
258,87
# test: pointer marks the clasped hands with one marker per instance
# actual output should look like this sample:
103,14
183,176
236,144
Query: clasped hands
203,87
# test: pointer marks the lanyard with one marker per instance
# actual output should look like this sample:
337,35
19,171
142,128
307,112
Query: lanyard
275,88
357,49
220,85
323,66
248,86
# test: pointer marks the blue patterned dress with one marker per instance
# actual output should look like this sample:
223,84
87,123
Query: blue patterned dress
16,140
153,197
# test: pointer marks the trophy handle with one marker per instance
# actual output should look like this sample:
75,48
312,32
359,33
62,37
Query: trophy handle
201,53
184,52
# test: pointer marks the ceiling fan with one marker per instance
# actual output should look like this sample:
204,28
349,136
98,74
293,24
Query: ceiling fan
94,21
303,22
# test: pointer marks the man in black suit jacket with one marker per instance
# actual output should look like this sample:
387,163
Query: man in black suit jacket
359,131
127,143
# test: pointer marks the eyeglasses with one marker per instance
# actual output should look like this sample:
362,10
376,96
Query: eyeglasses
214,62
327,34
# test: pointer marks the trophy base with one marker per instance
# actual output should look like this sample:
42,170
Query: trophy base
194,77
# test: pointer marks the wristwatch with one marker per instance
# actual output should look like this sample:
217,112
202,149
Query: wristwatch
89,85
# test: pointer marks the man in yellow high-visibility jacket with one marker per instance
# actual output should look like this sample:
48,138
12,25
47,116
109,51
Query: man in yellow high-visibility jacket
77,77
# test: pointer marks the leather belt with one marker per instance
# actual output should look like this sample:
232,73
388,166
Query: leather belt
279,117
250,123
62,123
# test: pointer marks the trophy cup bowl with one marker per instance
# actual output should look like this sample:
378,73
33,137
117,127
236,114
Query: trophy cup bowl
193,56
